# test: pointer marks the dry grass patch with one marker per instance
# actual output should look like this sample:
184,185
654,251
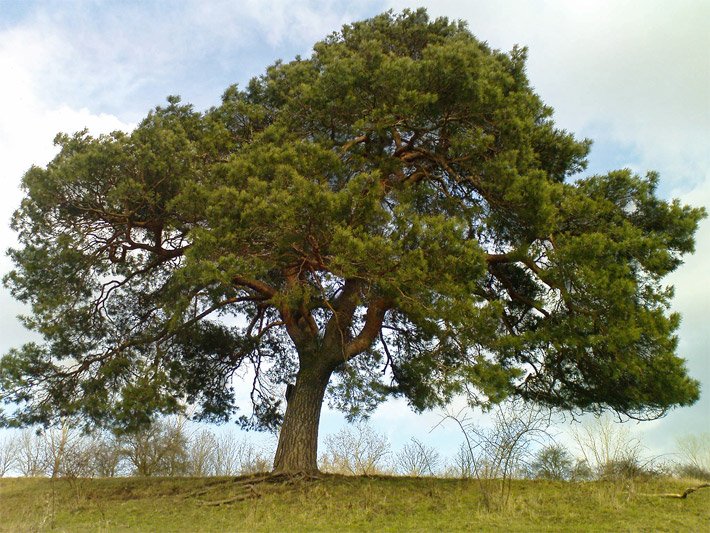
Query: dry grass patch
330,502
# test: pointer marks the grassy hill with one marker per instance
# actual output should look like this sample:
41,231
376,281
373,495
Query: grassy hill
336,503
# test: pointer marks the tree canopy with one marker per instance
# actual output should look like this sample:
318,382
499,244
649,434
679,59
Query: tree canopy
395,215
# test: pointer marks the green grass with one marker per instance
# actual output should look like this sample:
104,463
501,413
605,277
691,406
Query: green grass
335,503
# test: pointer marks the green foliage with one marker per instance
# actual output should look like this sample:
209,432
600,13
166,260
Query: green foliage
394,208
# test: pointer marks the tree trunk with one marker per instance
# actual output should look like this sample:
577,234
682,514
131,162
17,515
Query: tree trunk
297,451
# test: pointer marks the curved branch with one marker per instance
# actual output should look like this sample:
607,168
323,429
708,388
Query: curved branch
374,318
262,288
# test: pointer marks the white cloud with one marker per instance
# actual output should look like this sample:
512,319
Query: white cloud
27,131
637,72
692,290
274,23
127,58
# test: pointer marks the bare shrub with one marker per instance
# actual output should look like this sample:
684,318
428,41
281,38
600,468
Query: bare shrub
159,450
62,451
201,453
78,459
495,455
417,459
356,450
235,455
504,450
107,457
255,461
8,453
694,452
228,455
55,441
462,464
581,471
690,471
552,462
31,459
67,450
610,450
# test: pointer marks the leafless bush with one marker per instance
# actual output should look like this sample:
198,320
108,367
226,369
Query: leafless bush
690,471
167,448
495,455
508,445
228,455
78,458
552,462
610,450
581,471
234,455
201,453
255,462
159,450
627,468
54,443
61,451
694,460
30,455
8,453
356,450
67,450
417,459
462,464
505,449
107,459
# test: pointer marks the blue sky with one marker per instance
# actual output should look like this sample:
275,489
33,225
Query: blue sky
633,75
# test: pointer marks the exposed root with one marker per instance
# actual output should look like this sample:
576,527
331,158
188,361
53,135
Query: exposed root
247,487
250,494
209,486
681,496
293,477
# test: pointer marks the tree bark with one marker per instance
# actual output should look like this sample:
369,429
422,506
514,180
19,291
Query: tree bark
297,451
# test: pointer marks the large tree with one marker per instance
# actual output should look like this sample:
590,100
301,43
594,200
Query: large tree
393,215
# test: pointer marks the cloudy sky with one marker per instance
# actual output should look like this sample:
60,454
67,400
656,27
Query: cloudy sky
633,75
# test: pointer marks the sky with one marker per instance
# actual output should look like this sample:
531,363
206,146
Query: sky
632,75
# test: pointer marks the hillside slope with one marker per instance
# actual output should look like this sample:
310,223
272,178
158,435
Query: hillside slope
335,503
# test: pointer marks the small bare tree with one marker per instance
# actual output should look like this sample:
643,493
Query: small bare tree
227,455
609,448
417,459
356,450
65,450
30,456
83,456
496,454
256,461
235,455
201,453
159,450
55,443
694,452
552,462
106,456
8,453
462,464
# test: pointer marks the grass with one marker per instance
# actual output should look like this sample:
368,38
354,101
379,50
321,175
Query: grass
337,503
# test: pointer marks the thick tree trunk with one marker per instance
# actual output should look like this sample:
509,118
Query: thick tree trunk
297,450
